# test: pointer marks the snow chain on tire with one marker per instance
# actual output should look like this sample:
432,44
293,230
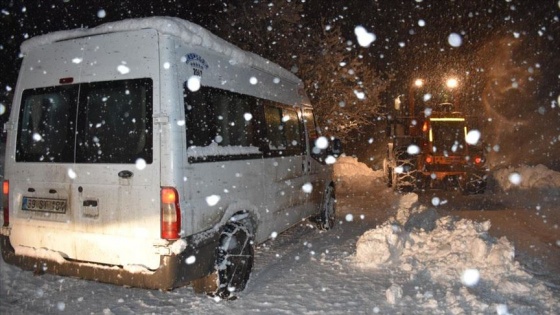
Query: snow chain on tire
328,209
234,259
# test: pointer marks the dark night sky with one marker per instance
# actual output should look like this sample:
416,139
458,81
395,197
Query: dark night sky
529,30
402,45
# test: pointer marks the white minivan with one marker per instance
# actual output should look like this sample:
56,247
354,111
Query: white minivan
151,153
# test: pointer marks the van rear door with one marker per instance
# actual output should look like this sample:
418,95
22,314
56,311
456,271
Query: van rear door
83,175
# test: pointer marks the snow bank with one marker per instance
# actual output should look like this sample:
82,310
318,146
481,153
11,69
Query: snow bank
456,259
348,171
526,177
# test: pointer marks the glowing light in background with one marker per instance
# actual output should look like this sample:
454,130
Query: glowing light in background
452,83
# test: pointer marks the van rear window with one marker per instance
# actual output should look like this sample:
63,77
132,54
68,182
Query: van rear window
97,122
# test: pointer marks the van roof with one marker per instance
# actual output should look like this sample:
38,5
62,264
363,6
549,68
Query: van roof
188,32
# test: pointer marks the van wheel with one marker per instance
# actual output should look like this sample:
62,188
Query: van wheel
328,209
234,259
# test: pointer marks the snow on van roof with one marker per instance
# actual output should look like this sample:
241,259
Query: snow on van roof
187,31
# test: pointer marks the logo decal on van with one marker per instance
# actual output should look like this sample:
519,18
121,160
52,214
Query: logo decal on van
197,63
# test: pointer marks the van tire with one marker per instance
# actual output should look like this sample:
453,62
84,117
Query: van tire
328,209
234,259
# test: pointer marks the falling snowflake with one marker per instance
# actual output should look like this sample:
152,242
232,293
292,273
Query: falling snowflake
428,112
190,260
140,164
515,178
322,143
193,83
455,40
365,38
435,201
473,136
71,173
413,149
470,277
330,159
307,188
360,95
122,69
212,200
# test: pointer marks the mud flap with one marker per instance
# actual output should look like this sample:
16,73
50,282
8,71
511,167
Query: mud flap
207,284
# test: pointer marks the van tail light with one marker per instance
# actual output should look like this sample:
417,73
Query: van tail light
170,214
6,202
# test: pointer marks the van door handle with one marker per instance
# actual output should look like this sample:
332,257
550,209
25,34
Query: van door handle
125,174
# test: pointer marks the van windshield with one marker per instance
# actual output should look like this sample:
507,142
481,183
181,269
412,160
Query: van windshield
97,122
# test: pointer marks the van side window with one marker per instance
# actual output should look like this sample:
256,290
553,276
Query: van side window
310,125
220,123
274,128
283,130
217,116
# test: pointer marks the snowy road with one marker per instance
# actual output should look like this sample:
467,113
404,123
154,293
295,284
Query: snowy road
307,271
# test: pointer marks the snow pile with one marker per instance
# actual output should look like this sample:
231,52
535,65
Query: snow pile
348,171
450,263
525,177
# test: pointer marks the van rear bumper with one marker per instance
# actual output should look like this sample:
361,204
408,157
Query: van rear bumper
173,271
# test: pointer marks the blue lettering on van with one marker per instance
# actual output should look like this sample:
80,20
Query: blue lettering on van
196,61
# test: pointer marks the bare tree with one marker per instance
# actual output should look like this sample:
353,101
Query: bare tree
343,87
268,28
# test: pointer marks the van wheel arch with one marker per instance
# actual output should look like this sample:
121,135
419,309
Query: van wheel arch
245,217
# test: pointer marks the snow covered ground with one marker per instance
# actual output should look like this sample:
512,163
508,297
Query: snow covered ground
389,254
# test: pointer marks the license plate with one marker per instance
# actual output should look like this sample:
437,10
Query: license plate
44,205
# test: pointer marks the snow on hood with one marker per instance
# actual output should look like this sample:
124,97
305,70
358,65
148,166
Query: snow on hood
526,177
455,258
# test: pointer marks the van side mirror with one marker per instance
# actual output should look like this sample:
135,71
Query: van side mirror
335,147
323,151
